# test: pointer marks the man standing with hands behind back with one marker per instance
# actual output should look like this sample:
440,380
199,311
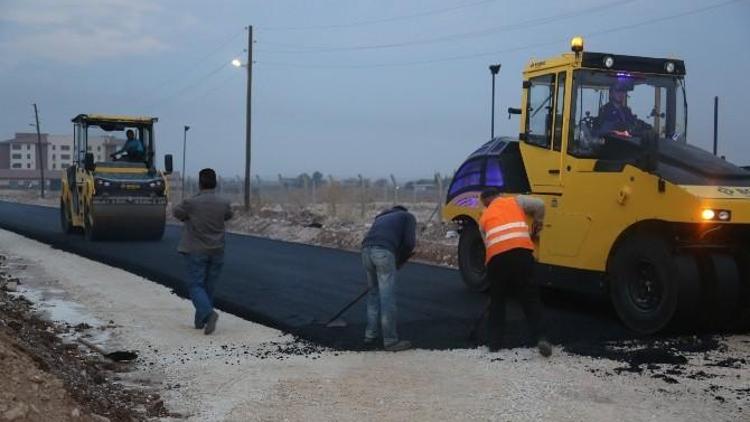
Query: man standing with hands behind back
510,262
202,244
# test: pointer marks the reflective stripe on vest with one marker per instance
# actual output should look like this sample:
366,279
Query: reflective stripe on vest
505,228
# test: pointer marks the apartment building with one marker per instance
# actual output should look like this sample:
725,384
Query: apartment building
21,152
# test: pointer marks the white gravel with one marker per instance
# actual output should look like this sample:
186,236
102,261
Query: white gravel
238,375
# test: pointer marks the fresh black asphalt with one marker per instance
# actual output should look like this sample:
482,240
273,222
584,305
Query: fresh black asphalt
296,287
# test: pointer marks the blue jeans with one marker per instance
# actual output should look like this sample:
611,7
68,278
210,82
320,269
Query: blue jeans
203,270
380,266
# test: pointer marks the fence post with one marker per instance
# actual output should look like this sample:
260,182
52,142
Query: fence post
439,184
361,196
395,190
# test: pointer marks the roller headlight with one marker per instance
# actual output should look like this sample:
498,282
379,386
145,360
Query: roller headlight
669,67
608,62
709,214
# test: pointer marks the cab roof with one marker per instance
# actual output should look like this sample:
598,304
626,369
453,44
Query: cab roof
96,119
620,62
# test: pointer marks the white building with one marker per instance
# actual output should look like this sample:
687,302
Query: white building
21,153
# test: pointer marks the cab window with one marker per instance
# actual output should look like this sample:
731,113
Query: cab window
539,112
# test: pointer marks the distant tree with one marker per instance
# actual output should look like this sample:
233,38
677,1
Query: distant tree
381,183
317,177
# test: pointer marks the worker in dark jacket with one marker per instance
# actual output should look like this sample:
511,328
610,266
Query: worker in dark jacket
202,244
387,247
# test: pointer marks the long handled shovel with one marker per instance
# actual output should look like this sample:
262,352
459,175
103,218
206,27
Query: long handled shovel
335,322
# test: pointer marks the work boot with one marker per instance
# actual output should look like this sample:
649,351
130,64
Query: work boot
211,323
545,349
370,341
398,346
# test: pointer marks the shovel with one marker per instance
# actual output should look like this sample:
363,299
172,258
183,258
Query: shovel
335,321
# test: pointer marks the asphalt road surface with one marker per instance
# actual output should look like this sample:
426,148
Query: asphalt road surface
297,288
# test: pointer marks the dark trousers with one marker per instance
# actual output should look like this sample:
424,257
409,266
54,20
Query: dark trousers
510,274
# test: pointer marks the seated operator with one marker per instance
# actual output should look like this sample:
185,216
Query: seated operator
615,117
133,148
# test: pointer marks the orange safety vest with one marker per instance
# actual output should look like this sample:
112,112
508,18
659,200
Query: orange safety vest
504,226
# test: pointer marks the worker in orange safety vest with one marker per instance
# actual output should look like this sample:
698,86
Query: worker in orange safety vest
510,263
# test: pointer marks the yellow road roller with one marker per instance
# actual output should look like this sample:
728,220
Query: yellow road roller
124,196
632,209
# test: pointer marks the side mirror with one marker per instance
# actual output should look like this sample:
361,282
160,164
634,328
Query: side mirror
88,162
168,164
513,110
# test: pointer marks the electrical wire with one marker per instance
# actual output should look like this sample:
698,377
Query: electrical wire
506,50
452,37
377,21
185,89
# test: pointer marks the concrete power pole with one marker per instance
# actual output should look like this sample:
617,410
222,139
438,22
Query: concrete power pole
39,148
248,116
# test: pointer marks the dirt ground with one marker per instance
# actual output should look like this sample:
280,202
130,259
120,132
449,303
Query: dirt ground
50,375
250,372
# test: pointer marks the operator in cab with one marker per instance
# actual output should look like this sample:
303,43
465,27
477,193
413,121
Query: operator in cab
133,149
615,117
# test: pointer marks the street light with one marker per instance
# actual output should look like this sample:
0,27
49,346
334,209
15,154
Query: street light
184,145
236,63
494,70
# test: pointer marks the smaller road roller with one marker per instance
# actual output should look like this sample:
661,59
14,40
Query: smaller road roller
122,198
634,210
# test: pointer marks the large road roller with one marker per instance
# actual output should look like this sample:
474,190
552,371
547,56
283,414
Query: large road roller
633,210
123,197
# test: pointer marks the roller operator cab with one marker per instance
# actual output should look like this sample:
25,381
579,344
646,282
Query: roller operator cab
632,208
123,195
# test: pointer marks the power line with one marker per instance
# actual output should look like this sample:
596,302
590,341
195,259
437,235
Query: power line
377,21
191,68
506,50
452,37
189,87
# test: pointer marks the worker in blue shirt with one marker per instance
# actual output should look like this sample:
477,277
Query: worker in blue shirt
133,149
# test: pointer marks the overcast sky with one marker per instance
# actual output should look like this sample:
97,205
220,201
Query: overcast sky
345,86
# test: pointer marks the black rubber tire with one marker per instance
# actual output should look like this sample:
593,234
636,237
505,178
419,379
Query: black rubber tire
644,286
721,284
471,254
690,292
743,263
66,223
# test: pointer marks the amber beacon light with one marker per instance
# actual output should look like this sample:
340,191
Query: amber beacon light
576,44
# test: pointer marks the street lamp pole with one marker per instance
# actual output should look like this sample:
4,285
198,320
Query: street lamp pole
184,147
494,69
248,116
39,148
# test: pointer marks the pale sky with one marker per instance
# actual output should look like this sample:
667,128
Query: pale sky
345,86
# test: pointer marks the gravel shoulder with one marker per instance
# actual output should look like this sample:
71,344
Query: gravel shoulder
250,372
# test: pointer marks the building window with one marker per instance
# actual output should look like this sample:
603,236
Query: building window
28,146
28,156
28,165
98,147
65,156
54,166
16,165
65,147
53,147
16,146
17,156
53,156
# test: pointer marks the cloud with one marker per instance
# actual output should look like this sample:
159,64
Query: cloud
78,31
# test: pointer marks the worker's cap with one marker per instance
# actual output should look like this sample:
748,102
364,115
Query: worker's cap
622,85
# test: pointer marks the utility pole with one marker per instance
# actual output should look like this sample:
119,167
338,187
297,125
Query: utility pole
39,148
716,125
184,148
494,69
248,116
